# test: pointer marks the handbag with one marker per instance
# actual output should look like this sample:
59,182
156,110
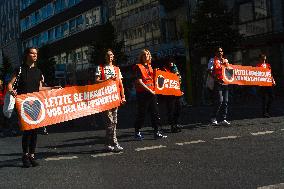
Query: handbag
210,82
9,100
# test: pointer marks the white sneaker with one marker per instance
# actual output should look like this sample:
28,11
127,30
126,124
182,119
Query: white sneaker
109,148
225,122
117,148
214,122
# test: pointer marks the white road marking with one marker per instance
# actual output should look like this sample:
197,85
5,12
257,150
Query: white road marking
191,142
282,129
262,133
275,186
149,148
227,137
106,154
61,158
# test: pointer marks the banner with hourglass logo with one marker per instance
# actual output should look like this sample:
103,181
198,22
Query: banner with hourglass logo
167,83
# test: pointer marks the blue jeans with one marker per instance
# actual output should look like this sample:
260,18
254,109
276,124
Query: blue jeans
221,101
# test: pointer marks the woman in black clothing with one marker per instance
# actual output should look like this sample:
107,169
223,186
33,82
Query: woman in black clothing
29,80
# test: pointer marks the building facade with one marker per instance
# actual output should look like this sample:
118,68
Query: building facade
10,31
66,28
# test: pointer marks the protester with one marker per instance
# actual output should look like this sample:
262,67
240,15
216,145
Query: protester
104,72
267,93
221,89
2,117
145,95
210,81
173,103
29,80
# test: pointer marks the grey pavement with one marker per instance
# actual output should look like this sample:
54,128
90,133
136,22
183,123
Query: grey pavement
247,154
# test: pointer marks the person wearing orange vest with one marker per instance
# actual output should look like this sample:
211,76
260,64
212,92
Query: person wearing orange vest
105,72
221,90
173,103
146,98
267,94
2,117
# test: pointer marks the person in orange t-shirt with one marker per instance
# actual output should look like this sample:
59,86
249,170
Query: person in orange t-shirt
221,90
267,93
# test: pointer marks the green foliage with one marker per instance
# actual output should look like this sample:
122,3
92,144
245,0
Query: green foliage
212,25
46,64
107,40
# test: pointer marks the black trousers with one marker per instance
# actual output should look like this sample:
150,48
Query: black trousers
29,141
147,102
173,104
267,96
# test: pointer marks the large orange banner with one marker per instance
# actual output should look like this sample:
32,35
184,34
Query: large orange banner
50,107
247,75
167,83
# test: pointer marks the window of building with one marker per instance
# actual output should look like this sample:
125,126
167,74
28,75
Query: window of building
58,32
32,19
64,4
65,29
51,35
72,25
44,37
49,10
71,3
57,6
37,17
35,41
79,21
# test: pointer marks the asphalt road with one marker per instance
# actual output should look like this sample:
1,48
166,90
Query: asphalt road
247,154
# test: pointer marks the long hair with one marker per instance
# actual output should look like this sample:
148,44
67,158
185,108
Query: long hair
106,56
142,53
26,52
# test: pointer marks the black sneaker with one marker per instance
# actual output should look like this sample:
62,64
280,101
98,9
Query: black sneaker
34,163
175,128
26,162
159,135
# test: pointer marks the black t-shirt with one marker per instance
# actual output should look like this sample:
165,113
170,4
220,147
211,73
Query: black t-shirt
29,79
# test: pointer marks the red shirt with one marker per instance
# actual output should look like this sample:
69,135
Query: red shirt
217,68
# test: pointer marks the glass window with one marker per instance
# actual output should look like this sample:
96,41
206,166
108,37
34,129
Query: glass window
37,17
72,25
57,5
32,18
44,37
43,12
58,32
35,41
64,28
51,35
71,3
77,1
79,21
64,4
49,10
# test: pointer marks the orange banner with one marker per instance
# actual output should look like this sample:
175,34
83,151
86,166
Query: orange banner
167,83
247,75
50,107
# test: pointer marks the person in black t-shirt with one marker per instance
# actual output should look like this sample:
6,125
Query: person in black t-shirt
30,80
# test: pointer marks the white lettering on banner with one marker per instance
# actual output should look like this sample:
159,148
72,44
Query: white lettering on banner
171,84
86,100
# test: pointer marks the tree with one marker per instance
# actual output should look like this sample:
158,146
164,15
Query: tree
107,39
46,64
213,25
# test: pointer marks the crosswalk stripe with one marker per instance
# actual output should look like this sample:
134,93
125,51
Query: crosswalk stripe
190,142
106,154
61,158
275,186
227,137
262,133
149,148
